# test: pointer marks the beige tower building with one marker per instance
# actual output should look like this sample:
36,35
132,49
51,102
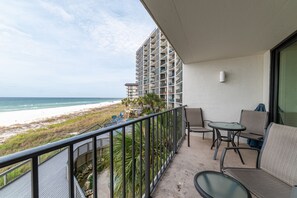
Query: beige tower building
159,69
132,91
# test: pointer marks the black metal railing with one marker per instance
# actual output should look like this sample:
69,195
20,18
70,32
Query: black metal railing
146,147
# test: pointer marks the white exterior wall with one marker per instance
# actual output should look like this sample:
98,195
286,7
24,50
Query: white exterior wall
246,85
266,79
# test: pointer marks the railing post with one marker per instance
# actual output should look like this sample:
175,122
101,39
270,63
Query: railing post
175,130
94,166
34,177
147,158
70,171
111,164
133,161
183,112
5,179
124,161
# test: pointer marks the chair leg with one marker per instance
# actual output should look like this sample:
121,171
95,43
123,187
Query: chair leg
213,139
213,144
203,136
188,138
238,141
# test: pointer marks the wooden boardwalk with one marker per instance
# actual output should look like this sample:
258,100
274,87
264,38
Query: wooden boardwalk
52,180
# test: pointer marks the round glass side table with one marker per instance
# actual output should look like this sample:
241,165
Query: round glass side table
212,184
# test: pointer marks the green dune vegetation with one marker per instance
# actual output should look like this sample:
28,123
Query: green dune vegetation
71,125
63,127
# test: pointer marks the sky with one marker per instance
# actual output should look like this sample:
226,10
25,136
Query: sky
70,48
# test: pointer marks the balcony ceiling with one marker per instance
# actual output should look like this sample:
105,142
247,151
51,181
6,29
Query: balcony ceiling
202,30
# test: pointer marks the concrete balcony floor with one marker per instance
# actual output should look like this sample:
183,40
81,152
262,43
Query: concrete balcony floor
178,179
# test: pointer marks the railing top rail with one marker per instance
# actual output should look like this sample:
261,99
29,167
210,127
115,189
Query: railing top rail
13,168
33,152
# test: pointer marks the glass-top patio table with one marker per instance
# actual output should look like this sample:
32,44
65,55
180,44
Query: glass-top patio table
230,127
215,184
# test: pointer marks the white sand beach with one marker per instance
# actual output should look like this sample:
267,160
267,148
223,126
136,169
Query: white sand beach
27,116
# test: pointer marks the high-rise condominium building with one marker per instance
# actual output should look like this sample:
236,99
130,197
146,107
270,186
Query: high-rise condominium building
159,69
132,90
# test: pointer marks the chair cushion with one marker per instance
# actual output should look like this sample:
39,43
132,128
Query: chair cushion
251,136
254,121
279,153
260,183
199,129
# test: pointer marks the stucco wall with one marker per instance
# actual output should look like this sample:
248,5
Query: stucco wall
245,87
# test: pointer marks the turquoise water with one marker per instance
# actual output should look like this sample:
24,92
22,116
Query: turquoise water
25,103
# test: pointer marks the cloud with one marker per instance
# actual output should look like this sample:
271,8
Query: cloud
8,30
119,35
70,48
57,10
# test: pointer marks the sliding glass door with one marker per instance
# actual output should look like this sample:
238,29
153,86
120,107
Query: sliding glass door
287,89
283,101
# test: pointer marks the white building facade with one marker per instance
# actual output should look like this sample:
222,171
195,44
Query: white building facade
132,90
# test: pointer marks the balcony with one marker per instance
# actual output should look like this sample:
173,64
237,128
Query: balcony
178,179
162,71
171,74
179,69
179,100
179,90
179,80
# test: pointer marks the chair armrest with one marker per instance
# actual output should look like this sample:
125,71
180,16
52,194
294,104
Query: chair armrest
237,148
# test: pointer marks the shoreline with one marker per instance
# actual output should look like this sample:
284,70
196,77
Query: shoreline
9,119
35,119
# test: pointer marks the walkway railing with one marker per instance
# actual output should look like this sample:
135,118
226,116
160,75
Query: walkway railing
88,148
78,192
11,174
150,146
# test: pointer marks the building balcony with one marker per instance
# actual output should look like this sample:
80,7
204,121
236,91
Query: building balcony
178,70
178,180
179,80
179,100
179,90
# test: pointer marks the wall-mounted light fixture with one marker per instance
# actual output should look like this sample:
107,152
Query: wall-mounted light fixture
222,76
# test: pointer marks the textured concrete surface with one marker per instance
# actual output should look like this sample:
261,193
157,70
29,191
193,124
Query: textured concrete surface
178,179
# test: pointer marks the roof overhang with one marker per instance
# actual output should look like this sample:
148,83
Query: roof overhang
131,84
202,30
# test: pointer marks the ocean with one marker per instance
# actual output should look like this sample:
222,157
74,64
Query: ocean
8,104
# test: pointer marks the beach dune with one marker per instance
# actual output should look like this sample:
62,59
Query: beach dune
28,116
